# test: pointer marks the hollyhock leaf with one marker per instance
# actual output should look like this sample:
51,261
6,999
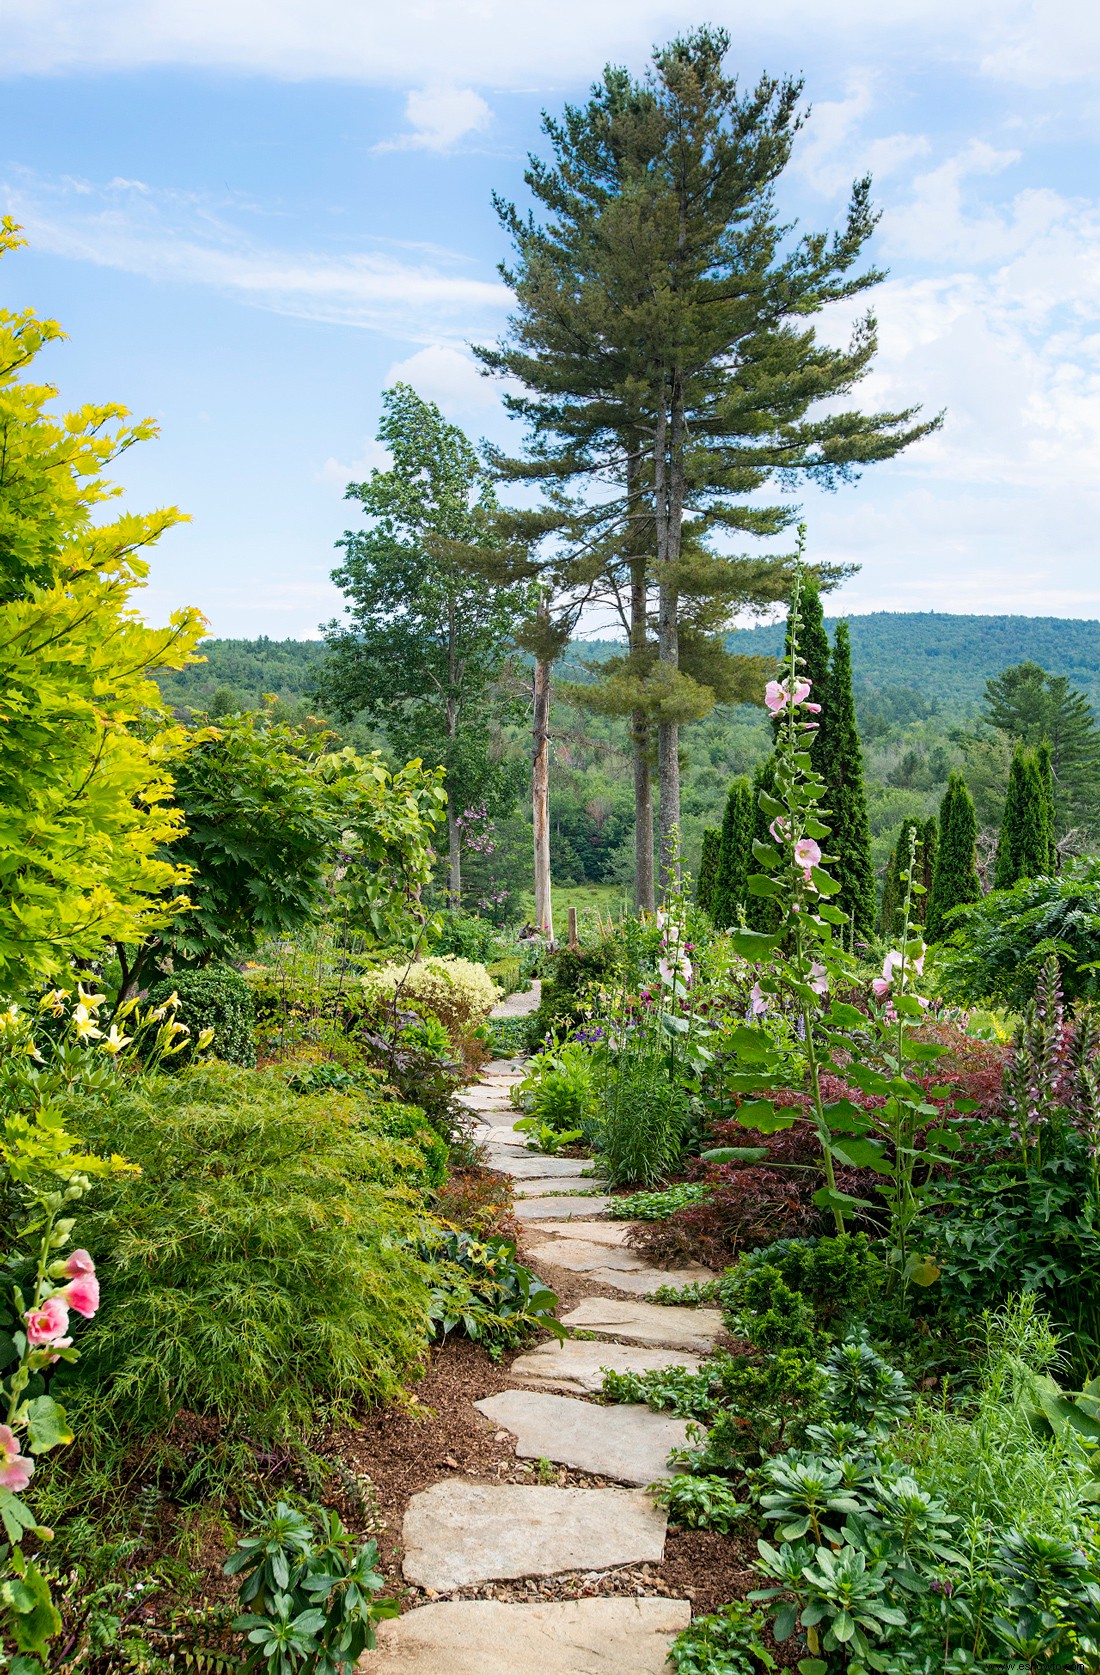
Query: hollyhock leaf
827,1198
832,915
843,1016
861,1154
753,945
922,1050
765,854
825,885
774,809
762,1115
750,1043
47,1426
843,1115
735,1154
761,886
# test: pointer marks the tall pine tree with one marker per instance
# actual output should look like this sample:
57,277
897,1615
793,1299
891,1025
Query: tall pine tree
708,868
840,763
734,855
1027,836
955,878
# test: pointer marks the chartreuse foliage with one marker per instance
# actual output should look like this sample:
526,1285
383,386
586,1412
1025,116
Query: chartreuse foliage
85,782
261,1263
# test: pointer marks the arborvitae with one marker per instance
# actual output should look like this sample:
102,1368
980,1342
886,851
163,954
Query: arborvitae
761,911
929,849
813,660
1026,837
735,861
955,878
708,869
1046,777
893,889
840,764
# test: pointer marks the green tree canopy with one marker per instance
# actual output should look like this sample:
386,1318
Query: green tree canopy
85,768
1032,707
425,646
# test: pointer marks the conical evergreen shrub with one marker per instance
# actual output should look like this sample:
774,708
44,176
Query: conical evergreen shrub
735,860
840,764
1046,776
1024,844
893,890
930,843
955,878
708,868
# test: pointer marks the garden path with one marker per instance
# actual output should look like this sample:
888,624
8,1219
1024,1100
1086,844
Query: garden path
464,1532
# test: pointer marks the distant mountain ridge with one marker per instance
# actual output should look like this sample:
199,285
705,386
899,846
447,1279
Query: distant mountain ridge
945,656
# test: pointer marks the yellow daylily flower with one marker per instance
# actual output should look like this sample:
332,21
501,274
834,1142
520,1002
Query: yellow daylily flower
91,1001
115,1042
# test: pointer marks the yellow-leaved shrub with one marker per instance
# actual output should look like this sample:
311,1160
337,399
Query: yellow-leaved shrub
460,993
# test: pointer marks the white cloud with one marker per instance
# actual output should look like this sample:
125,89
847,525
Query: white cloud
835,148
186,238
443,374
438,118
541,42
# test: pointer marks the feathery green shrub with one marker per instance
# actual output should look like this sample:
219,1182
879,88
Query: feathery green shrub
260,1265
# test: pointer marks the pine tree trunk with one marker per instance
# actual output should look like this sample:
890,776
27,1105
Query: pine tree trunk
644,894
540,798
669,494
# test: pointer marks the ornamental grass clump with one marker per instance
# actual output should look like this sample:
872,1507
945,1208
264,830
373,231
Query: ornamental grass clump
261,1265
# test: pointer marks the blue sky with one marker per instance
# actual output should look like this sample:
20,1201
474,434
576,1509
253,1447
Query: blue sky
252,217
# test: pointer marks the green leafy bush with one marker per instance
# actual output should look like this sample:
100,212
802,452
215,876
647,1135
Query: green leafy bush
218,998
998,945
559,1088
480,1286
641,1118
567,978
263,1262
700,1503
728,1642
468,937
408,1123
309,1604
507,973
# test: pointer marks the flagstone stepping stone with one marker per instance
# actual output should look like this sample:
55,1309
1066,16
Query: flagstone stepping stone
534,1167
641,1281
627,1442
576,1366
599,1232
650,1323
501,1137
503,1070
560,1637
460,1532
581,1257
536,1206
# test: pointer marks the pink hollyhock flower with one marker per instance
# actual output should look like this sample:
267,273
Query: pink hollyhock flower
16,1470
801,691
759,1004
819,978
807,854
814,709
881,986
48,1324
81,1294
77,1262
775,696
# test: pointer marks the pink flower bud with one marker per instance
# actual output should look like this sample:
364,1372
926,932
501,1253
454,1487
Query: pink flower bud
16,1470
78,1262
881,986
48,1324
81,1294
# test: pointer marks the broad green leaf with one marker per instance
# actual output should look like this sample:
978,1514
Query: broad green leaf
46,1424
762,1115
922,1270
844,1016
735,1154
758,885
765,854
827,1198
832,915
922,1051
825,884
861,1154
754,945
749,1041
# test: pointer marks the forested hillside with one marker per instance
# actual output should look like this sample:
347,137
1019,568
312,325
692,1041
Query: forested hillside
942,656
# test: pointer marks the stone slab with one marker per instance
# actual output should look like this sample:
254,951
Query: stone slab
649,1323
641,1281
626,1442
599,1232
582,1257
575,1366
501,1137
521,1004
458,1532
534,1166
560,1637
539,1207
